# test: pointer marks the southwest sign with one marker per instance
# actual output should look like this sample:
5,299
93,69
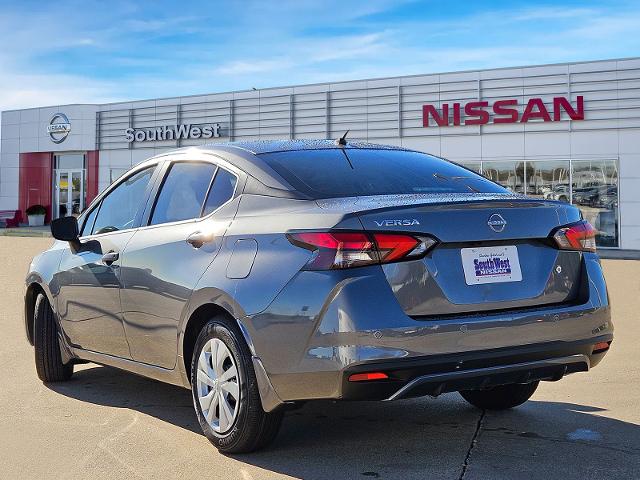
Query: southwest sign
504,111
172,132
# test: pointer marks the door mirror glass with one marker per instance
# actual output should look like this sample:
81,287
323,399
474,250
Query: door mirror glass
65,228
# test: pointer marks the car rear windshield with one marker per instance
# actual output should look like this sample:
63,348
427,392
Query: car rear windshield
360,172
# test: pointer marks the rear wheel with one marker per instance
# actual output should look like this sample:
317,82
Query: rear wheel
49,364
225,391
501,397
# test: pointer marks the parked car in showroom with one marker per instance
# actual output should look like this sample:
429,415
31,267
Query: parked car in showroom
265,274
558,192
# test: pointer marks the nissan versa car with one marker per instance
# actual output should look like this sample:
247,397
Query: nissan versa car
265,274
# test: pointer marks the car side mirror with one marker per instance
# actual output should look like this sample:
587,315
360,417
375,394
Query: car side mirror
65,228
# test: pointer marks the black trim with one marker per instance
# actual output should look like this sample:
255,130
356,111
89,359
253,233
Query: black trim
403,371
206,195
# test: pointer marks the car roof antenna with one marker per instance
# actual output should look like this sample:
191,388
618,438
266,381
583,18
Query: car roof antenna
342,141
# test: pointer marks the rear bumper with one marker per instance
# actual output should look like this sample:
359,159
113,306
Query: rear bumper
473,370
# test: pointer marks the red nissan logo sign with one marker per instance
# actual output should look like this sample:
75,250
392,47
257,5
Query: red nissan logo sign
504,111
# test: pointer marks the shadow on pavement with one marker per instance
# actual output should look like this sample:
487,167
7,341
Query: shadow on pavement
418,438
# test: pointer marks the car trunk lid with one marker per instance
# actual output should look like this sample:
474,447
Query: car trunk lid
494,251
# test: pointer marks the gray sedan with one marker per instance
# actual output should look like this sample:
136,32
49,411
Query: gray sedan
262,275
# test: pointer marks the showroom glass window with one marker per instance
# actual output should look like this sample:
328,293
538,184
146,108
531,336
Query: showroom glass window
595,193
548,180
591,185
507,174
475,166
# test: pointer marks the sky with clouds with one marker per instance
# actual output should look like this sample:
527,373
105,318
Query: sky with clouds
93,52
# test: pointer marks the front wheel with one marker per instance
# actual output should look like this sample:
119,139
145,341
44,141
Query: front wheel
49,365
225,391
501,397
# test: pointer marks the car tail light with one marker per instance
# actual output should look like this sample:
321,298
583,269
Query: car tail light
364,377
335,250
579,236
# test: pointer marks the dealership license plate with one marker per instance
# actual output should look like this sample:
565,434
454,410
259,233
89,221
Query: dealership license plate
491,265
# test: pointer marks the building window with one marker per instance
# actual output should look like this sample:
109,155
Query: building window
507,174
69,161
549,180
591,185
475,166
595,192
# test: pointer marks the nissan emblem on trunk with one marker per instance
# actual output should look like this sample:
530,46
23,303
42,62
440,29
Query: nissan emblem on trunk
59,128
496,222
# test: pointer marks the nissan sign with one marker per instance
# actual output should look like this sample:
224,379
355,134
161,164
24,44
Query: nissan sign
504,111
59,128
172,132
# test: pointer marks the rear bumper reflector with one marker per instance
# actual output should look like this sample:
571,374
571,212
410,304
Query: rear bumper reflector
601,347
364,377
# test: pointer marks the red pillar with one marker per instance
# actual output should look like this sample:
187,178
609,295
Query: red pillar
92,176
35,182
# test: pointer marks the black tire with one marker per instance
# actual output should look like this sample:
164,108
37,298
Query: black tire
253,428
501,397
49,364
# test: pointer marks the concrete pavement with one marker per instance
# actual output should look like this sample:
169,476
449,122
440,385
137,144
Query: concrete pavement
110,424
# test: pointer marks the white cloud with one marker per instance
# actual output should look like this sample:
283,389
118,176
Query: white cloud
27,90
244,67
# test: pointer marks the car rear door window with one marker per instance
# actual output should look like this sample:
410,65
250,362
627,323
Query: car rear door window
221,191
183,192
119,209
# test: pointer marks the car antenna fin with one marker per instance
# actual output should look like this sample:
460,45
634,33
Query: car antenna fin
342,141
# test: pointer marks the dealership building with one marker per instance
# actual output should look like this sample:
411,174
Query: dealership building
568,132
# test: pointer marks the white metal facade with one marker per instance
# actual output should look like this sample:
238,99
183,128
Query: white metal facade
379,110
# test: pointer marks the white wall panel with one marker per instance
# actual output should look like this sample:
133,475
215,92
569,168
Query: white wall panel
547,144
9,174
629,141
8,203
461,147
10,130
630,166
10,145
10,117
9,160
502,145
594,143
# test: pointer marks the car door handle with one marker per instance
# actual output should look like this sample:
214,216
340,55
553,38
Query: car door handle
110,257
197,239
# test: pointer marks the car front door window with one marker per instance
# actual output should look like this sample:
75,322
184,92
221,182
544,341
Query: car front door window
119,209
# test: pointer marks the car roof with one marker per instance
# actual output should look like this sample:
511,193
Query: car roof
258,147
245,155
